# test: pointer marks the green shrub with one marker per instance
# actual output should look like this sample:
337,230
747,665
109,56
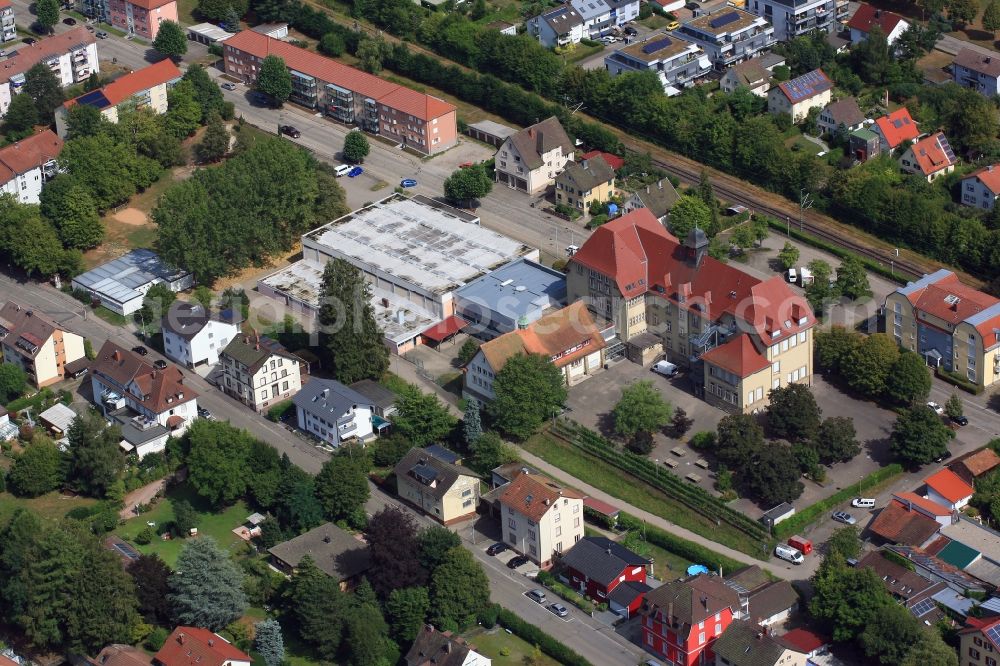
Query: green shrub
83,512
958,380
535,636
703,440
278,412
488,618
145,536
157,637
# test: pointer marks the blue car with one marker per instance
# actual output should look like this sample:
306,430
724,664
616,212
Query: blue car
408,182
355,172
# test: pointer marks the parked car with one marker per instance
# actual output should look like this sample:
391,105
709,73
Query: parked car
665,368
559,610
863,503
630,31
465,165
792,276
517,561
537,595
342,170
944,456
496,548
160,364
140,350
29,40
290,131
355,172
69,20
938,409
673,25
961,420
100,34
229,85
205,414
844,517
407,182
789,554
90,28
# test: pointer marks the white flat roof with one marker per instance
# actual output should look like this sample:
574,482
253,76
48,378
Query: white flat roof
211,31
58,416
417,240
125,279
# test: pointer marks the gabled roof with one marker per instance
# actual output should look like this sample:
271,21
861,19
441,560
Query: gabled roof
124,87
897,127
868,16
328,398
156,390
772,599
602,560
562,18
585,175
25,330
255,353
658,197
692,600
751,73
194,646
922,504
150,4
335,552
117,655
438,648
978,61
943,295
27,56
900,581
738,356
949,485
434,474
532,142
845,112
27,154
988,627
805,87
613,161
975,464
898,524
745,643
376,393
988,176
933,154
803,640
187,319
533,495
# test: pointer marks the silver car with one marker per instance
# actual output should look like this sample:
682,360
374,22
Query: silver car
844,517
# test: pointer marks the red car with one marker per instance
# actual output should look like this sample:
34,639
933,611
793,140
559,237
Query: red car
465,165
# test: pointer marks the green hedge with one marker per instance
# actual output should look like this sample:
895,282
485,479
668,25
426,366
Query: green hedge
549,581
37,402
535,636
801,519
957,380
278,412
672,543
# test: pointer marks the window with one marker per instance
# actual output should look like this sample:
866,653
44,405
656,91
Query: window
558,517
558,530
802,336
533,550
576,508
576,522
263,395
974,653
784,345
466,504
284,386
531,534
776,366
701,638
511,523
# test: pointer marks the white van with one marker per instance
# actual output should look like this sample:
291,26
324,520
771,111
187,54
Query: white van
792,276
789,554
342,170
665,368
863,503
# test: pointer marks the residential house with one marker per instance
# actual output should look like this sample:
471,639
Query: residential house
899,523
423,123
382,400
862,144
585,182
26,165
795,18
149,403
503,27
8,30
36,344
539,518
929,157
259,372
600,17
812,90
928,508
980,188
979,71
442,648
682,619
71,55
808,643
142,89
194,646
139,18
333,413
501,475
596,566
841,117
936,569
867,17
120,655
675,62
979,641
57,420
763,601
747,644
753,74
337,553
192,336
615,162
568,337
438,485
948,489
949,324
121,284
557,27
740,336
728,36
909,588
531,159
658,198
973,465
895,128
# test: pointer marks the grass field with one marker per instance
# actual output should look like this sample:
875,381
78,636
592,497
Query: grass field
218,525
489,645
185,11
52,506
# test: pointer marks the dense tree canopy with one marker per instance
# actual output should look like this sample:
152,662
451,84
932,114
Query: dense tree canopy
792,413
529,389
95,459
459,590
392,535
47,14
38,470
71,209
640,409
170,40
356,147
342,487
350,338
919,436
909,380
870,364
217,460
206,588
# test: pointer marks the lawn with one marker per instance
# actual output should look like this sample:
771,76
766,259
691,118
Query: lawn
218,525
53,506
801,144
185,11
489,644
582,52
655,21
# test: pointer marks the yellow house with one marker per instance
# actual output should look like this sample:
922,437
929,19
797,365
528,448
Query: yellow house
585,181
740,336
36,344
951,325
434,481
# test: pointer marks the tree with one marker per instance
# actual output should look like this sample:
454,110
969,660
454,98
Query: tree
528,389
742,237
183,111
468,350
852,280
640,409
185,517
688,213
217,460
268,642
171,40
44,88
356,147
954,408
963,11
890,635
111,171
421,417
151,577
792,413
836,440
37,470
392,539
870,363
274,80
406,610
297,507
206,589
68,205
388,450
739,437
820,291
47,14
207,93
156,304
919,436
332,44
909,381
773,475
464,186
342,488
366,638
680,423
846,599
219,10
833,348
95,460
215,143
21,117
788,256
13,381
350,339
459,591
319,608
371,52
991,17
434,544
489,452
844,542
930,649
232,21
472,426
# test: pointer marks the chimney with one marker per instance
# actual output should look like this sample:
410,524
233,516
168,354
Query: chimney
211,642
659,184
116,356
647,189
670,613
447,647
704,601
326,539
180,638
153,374
30,312
400,316
385,302
584,163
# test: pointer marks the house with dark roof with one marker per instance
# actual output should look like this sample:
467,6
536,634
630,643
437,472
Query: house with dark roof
868,17
584,182
981,187
539,518
910,589
26,165
194,646
120,655
739,335
382,400
596,566
676,62
559,26
893,129
929,157
338,554
973,465
438,485
442,648
658,198
194,336
763,601
36,344
900,523
747,644
975,69
796,97
718,32
530,160
333,413
259,371
682,619
844,115
753,74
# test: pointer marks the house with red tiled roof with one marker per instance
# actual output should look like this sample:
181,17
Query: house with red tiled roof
539,518
26,165
142,89
973,465
981,188
417,121
950,324
867,17
740,336
948,489
194,646
979,641
901,523
929,157
929,508
895,128
141,18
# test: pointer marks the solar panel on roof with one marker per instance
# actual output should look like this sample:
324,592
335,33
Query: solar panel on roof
655,46
994,634
922,607
94,98
725,19
127,551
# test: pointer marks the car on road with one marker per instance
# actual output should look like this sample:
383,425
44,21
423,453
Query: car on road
559,610
355,172
342,170
140,350
160,364
496,548
517,561
944,456
938,409
609,39
205,414
29,40
692,6
630,31
961,420
665,368
229,85
844,517
792,276
673,25
100,34
89,27
257,97
789,554
290,131
537,595
863,503
69,20
407,182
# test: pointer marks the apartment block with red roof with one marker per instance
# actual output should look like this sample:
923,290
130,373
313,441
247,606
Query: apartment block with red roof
981,188
421,122
25,166
141,17
930,157
8,30
539,518
740,336
142,89
71,55
951,325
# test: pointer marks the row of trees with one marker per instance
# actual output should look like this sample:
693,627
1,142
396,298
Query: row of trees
874,366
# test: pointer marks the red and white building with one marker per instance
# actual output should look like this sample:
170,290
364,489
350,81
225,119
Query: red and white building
26,165
194,646
141,17
598,567
71,55
930,157
682,619
948,489
867,17
895,128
